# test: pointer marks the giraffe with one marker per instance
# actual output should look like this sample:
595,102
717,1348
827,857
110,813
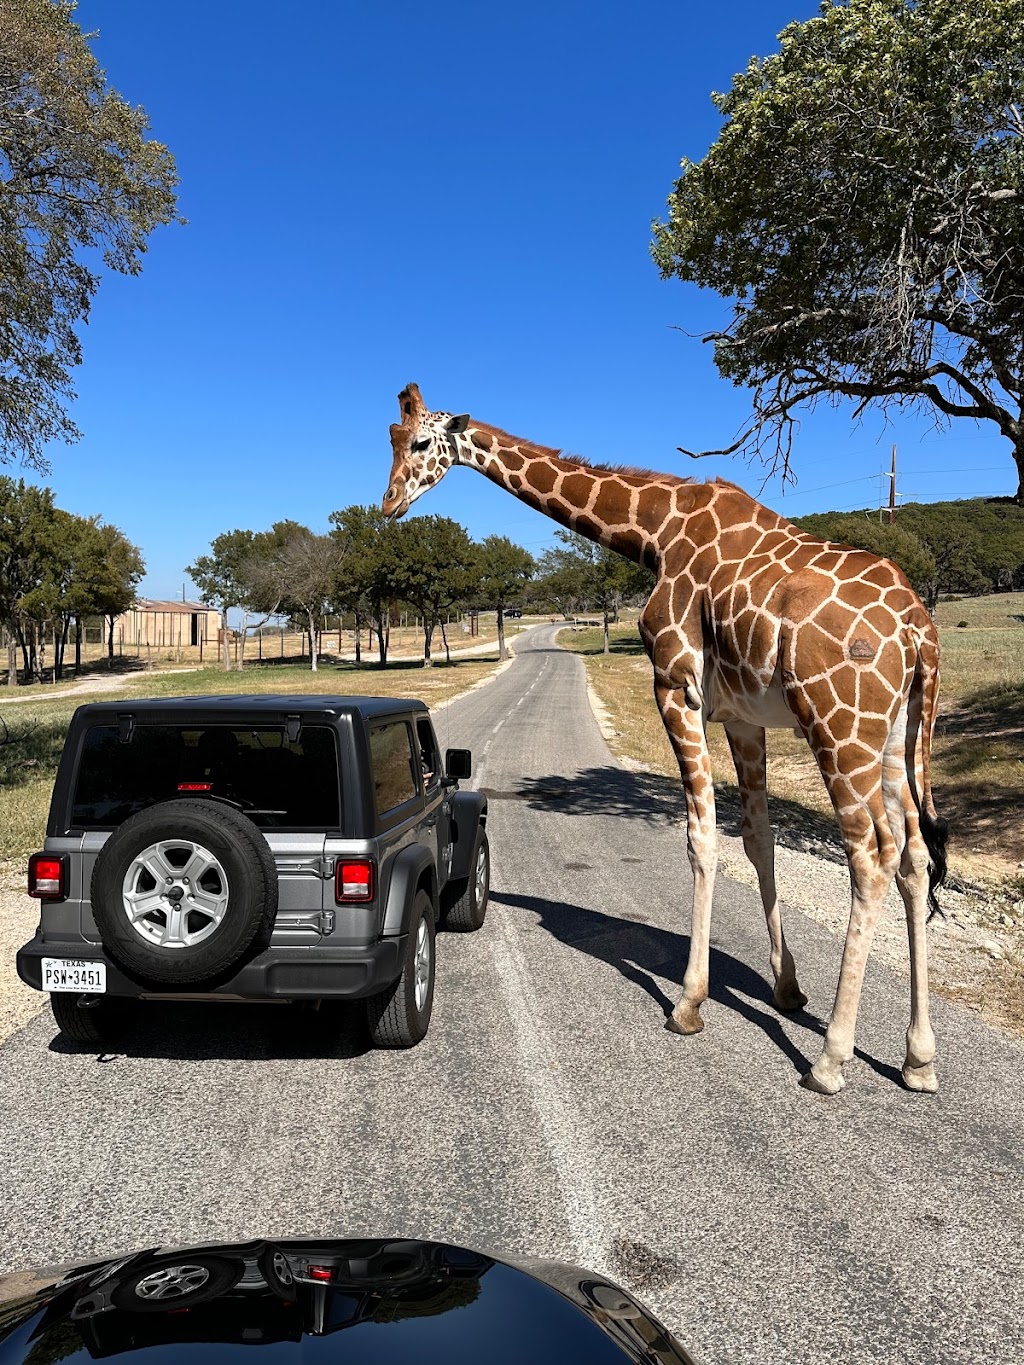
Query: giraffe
756,624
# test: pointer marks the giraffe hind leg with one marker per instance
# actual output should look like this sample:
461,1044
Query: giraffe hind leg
873,858
747,743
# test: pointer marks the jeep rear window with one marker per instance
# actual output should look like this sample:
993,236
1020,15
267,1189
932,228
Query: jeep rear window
277,784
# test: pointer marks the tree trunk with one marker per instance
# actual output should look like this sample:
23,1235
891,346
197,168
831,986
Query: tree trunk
444,638
1018,455
78,645
502,651
359,642
227,640
240,649
428,632
12,661
312,644
110,641
606,649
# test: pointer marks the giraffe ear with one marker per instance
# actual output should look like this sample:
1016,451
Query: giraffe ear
457,425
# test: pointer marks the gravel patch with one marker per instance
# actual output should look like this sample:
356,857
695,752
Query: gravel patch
19,915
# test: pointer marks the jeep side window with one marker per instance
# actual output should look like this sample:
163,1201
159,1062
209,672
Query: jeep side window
430,759
395,765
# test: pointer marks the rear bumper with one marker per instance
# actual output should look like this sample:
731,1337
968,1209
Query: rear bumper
314,973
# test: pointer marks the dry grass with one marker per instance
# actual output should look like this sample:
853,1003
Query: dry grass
28,762
978,765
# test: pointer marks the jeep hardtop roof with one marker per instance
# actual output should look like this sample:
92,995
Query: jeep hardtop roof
369,708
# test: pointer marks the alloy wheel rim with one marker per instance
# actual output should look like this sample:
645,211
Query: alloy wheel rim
282,1269
421,965
172,1282
175,894
481,877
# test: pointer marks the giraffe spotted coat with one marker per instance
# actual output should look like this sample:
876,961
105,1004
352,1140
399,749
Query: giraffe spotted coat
758,625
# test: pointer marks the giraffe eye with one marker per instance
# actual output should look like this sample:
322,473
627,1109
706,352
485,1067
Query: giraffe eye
421,443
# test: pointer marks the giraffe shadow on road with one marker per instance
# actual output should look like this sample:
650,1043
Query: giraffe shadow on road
656,799
643,952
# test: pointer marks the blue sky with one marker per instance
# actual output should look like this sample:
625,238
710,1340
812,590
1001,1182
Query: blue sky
454,193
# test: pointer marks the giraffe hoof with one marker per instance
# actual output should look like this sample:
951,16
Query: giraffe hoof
921,1079
789,998
684,1020
830,1084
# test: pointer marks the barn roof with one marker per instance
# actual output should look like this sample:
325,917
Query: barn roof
169,605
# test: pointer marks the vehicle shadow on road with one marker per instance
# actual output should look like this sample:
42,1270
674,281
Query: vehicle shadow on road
642,952
205,1032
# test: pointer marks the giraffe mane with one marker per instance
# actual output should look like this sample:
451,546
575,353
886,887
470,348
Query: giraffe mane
551,452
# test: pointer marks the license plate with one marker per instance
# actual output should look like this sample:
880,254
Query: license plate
72,974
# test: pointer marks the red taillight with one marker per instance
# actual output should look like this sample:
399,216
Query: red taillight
46,877
353,881
319,1272
195,786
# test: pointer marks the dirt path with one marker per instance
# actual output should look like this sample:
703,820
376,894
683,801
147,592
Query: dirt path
112,682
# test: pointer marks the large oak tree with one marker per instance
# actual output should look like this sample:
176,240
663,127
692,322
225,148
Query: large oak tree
81,188
863,210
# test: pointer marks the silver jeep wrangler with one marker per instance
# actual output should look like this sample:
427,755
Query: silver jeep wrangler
254,848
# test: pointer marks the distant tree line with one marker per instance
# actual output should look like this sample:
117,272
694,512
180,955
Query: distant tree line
370,570
57,570
972,546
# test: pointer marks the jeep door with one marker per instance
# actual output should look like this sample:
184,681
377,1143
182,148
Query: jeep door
399,797
437,799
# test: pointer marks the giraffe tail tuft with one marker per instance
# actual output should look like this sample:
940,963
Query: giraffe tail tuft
935,832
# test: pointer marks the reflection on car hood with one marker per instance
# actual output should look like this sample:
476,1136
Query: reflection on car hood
357,1300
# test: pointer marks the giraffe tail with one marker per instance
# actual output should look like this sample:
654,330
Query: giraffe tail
934,830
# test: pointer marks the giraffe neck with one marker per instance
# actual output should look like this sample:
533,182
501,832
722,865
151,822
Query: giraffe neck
622,509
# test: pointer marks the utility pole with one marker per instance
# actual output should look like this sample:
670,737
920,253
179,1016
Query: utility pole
892,488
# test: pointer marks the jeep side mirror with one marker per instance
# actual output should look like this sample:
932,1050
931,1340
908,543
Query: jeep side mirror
458,764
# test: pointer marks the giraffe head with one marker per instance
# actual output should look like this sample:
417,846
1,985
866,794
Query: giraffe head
423,448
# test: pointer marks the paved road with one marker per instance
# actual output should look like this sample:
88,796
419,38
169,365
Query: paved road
549,1112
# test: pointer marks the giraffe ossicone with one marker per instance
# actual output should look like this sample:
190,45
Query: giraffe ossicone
759,625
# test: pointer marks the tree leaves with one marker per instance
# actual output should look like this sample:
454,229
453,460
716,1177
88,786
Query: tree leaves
78,176
863,210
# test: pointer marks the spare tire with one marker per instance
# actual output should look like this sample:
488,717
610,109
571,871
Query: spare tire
182,891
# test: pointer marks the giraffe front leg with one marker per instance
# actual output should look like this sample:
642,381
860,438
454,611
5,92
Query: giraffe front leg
685,727
747,743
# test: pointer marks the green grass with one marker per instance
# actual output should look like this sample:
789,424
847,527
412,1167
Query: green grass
35,732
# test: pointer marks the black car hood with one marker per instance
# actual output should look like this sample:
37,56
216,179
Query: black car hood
367,1300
